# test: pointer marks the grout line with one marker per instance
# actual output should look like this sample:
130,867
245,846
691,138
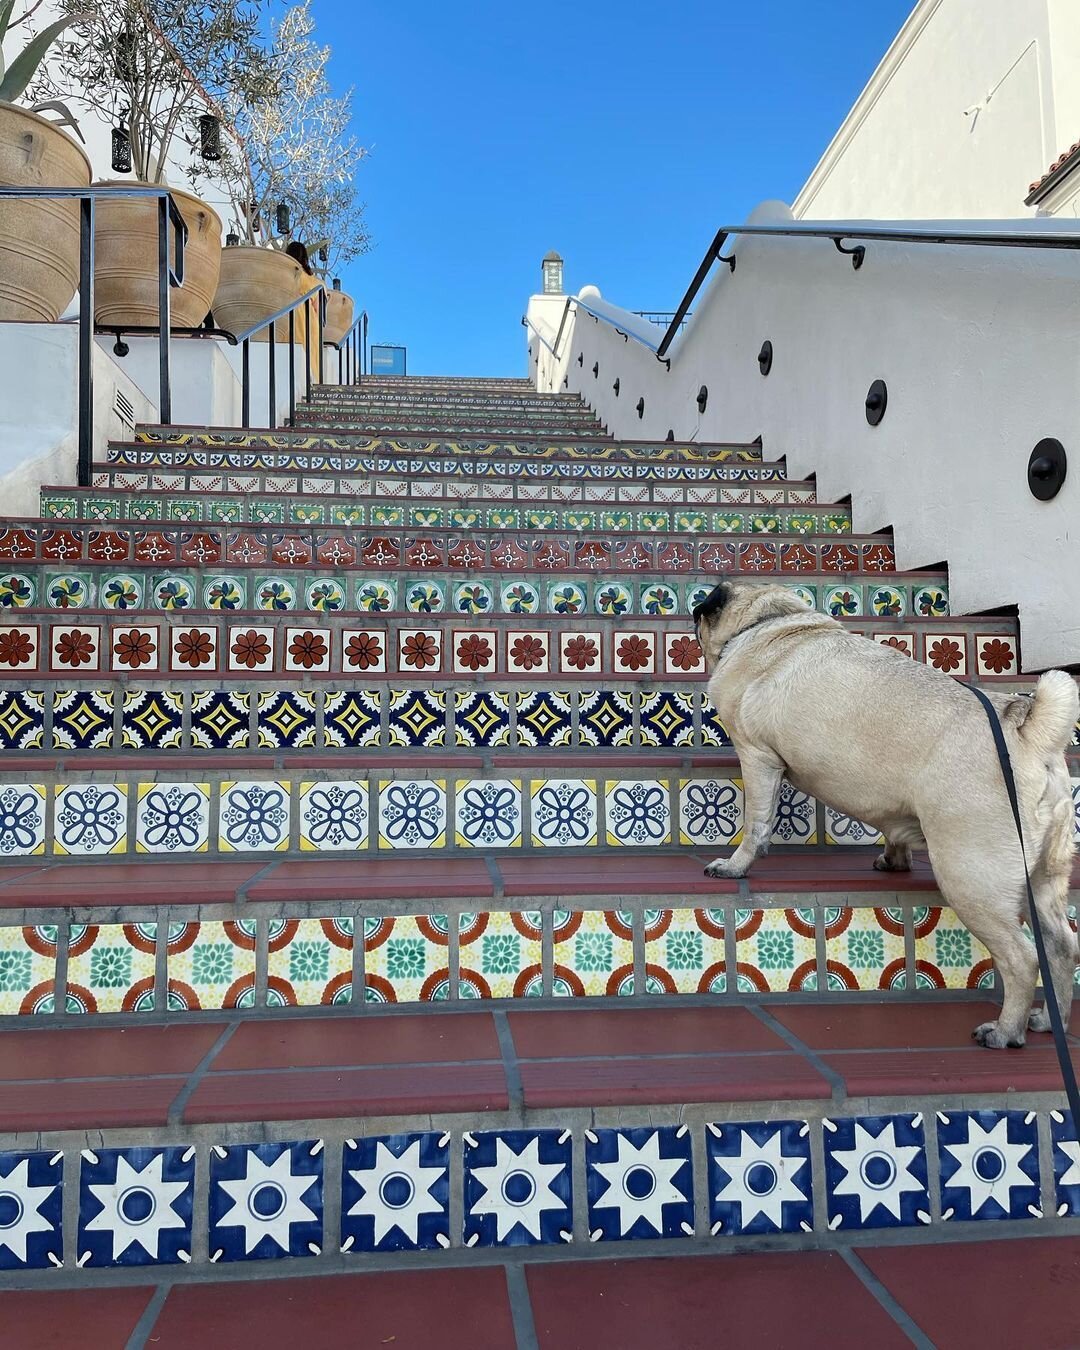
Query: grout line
834,1079
874,1286
495,873
515,1090
179,1104
146,1323
517,1292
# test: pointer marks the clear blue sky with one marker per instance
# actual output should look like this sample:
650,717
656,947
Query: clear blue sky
620,133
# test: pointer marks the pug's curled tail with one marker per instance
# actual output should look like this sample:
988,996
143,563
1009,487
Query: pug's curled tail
1048,727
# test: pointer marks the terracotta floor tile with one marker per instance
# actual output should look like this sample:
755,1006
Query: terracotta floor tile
402,1310
648,1031
671,875
698,1078
778,1301
872,1026
56,1319
973,1295
318,1094
971,1069
92,1052
99,1102
435,1038
145,883
375,879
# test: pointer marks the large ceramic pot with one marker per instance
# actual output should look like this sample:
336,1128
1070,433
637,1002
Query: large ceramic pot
39,240
255,283
339,316
126,261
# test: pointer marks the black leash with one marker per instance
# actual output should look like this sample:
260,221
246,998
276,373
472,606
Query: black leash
1057,1026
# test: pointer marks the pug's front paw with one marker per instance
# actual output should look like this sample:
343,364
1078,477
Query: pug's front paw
725,867
993,1036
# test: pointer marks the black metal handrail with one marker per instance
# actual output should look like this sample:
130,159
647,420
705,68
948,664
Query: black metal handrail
352,351
170,274
879,233
243,340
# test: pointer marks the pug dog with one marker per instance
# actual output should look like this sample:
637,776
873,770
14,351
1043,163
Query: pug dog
895,743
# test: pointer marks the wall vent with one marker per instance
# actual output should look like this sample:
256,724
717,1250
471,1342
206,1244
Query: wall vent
125,409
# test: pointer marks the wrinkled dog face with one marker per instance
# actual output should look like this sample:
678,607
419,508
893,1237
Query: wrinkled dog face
732,606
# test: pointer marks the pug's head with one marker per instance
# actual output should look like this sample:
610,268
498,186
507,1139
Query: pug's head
732,607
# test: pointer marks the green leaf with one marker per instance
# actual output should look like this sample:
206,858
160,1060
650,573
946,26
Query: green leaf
23,69
5,17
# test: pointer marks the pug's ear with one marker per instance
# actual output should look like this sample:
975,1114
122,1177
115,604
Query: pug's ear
717,599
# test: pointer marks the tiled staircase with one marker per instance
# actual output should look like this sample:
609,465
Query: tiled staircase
356,785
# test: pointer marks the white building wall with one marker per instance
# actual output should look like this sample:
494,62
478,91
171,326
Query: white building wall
980,349
969,106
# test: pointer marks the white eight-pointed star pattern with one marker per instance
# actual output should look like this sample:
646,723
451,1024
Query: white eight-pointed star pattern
640,1183
878,1171
397,1191
20,1209
138,1206
517,1188
1071,1149
761,1179
267,1200
989,1164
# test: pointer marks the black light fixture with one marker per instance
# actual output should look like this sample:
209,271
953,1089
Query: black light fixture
232,240
124,62
283,218
121,149
210,137
336,283
324,254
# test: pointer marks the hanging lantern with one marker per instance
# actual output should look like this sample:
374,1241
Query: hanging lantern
121,150
324,254
337,283
232,240
283,218
210,137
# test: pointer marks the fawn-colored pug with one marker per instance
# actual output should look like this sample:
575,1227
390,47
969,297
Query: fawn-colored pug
896,744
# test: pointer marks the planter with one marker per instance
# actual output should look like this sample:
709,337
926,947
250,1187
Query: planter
39,240
126,261
255,283
339,316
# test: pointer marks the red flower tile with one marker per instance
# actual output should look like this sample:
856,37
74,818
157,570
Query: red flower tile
718,558
474,651
292,551
758,557
683,654
380,552
527,651
797,558
419,651
106,546
465,553
581,651
363,650
201,548
632,557
153,546
996,655
246,547
194,648
635,653
947,654
425,553
133,648
552,557
251,648
18,647
680,558
337,552
509,556
594,555
879,558
904,643
75,648
307,649
61,545
841,558
17,544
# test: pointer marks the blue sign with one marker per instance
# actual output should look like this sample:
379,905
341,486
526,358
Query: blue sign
388,360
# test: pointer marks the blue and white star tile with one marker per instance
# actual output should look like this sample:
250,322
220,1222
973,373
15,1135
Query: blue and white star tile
518,1188
875,1172
266,1200
640,1183
135,1206
760,1178
31,1227
989,1165
396,1193
1066,1163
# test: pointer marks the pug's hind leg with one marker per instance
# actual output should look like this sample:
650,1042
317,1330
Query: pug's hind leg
896,858
763,777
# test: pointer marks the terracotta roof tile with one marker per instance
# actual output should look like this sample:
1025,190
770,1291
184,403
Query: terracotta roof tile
1058,163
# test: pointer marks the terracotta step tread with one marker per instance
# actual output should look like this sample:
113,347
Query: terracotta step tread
393,1063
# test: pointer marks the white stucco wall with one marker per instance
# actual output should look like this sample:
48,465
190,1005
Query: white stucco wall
981,352
970,105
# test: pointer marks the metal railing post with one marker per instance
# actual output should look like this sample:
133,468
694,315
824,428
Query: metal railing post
164,385
292,367
86,340
307,356
322,332
245,386
271,347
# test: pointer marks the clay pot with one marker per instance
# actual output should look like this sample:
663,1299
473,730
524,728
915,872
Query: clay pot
126,261
339,315
255,283
39,240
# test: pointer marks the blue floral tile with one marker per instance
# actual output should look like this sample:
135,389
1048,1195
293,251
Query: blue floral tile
710,812
135,1206
796,817
266,1200
875,1172
1066,1163
488,812
518,1188
253,817
333,815
760,1178
22,819
31,1226
396,1193
563,812
412,813
989,1165
640,1183
172,818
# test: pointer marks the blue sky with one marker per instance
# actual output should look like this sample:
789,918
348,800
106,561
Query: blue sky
620,134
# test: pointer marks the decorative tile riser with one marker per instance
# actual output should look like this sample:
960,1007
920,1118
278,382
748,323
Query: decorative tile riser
542,551
191,810
207,1184
334,396
242,509
454,424
535,648
154,954
555,492
160,466
477,446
